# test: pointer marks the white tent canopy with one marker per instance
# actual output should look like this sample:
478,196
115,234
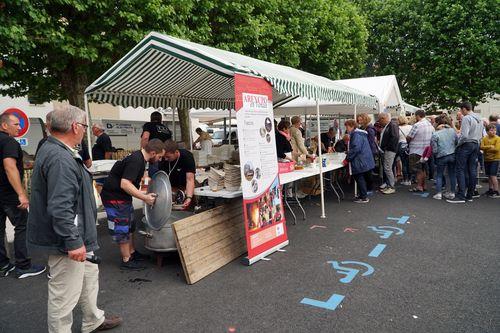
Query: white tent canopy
409,108
385,88
210,115
304,106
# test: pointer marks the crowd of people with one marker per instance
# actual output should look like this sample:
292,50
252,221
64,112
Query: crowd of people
434,148
416,150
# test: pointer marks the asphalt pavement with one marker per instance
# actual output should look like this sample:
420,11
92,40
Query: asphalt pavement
438,270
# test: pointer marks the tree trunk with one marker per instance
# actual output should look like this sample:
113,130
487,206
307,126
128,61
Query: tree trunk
74,83
185,128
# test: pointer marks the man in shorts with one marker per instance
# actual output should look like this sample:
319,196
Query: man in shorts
419,138
121,185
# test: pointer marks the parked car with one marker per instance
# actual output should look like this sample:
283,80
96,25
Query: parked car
218,137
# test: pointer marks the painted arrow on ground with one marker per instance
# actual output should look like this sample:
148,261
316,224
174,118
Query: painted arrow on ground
331,304
350,230
401,220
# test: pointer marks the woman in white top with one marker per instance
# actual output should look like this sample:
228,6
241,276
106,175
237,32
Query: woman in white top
404,130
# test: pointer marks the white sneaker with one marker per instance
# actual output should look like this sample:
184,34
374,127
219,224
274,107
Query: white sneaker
449,195
438,196
384,185
389,190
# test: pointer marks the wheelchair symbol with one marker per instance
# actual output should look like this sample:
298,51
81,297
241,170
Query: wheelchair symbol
386,232
350,273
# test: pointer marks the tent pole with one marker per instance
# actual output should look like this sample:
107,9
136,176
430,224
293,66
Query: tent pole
225,126
173,123
190,131
230,129
87,112
355,185
322,194
305,123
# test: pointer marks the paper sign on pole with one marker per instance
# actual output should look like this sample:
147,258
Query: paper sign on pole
263,209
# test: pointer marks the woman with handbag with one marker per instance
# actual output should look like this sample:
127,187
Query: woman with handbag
403,149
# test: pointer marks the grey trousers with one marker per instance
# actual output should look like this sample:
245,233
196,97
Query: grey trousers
72,283
389,157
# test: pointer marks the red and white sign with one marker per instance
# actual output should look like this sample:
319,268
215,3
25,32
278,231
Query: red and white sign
24,121
263,209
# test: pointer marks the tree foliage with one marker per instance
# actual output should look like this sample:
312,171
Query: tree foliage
53,49
441,51
325,37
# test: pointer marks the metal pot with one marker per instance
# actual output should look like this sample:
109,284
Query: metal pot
158,218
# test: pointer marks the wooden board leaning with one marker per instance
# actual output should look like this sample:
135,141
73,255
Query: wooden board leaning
210,240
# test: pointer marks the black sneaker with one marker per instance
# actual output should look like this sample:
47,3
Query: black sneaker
34,270
137,256
131,265
361,201
476,194
494,195
5,270
455,200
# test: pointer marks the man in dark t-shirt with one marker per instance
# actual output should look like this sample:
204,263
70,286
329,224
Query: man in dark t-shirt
155,130
121,185
13,200
328,140
102,148
180,167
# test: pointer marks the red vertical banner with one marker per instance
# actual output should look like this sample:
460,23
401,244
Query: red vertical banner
263,209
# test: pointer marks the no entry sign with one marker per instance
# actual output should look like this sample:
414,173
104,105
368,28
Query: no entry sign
24,121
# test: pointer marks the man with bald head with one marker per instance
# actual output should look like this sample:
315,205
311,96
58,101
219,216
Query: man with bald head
389,140
103,149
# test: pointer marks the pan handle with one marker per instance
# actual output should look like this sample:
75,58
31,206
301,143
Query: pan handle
145,234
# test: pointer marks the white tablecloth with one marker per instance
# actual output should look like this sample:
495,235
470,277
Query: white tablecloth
284,179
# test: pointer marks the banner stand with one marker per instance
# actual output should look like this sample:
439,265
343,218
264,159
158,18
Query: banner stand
263,208
249,261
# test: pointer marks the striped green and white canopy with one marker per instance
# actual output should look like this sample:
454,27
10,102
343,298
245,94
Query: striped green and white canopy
163,71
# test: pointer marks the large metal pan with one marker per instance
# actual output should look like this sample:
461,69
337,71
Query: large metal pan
158,214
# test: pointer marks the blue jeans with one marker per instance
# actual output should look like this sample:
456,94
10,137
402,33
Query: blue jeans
19,218
442,163
405,164
361,182
431,163
466,169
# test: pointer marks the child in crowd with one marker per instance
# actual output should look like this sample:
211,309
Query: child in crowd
490,145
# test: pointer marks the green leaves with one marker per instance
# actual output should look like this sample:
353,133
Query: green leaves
441,51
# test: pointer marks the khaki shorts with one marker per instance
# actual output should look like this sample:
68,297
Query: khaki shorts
415,164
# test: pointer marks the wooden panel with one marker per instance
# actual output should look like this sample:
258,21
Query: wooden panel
210,240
